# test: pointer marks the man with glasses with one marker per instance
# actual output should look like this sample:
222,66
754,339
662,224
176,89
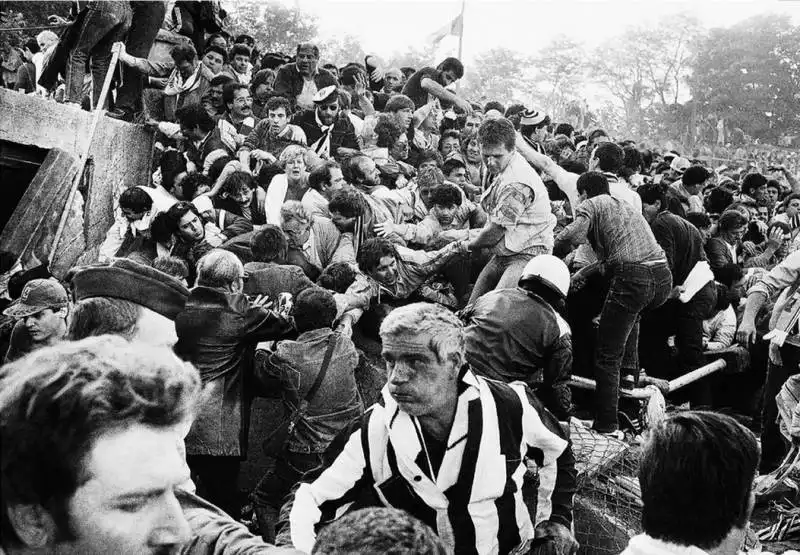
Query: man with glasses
328,134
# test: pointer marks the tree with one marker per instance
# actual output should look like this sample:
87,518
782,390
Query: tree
21,15
560,75
275,27
415,56
749,75
341,50
496,74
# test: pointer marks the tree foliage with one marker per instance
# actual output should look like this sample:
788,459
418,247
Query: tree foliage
276,27
496,74
749,75
560,75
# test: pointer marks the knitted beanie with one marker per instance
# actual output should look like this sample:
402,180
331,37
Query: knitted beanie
134,282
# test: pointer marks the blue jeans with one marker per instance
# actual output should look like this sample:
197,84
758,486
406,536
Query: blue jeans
634,288
105,23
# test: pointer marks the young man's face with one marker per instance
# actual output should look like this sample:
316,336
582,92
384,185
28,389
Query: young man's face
263,91
473,123
337,181
448,77
327,112
392,81
386,271
213,61
458,176
763,213
496,157
306,61
127,504
132,215
242,105
449,146
772,195
425,194
186,68
241,196
372,175
427,165
220,42
215,95
190,228
278,120
192,134
240,63
45,325
444,214
399,150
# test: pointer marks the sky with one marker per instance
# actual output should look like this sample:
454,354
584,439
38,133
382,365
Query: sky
387,26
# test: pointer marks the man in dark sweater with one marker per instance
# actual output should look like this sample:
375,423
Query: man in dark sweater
683,246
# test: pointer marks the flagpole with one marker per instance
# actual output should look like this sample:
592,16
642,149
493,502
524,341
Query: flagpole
461,40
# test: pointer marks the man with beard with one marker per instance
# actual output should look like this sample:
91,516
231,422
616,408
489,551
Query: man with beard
271,135
328,134
300,81
238,122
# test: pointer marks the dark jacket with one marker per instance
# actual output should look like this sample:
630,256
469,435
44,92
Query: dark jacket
682,243
289,82
271,279
291,368
718,253
217,332
343,133
514,335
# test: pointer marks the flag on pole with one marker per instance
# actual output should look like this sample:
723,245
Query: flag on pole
455,28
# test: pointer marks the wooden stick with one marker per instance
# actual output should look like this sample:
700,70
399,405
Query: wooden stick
81,162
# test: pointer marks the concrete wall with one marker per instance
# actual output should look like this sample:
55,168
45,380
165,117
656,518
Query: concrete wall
120,155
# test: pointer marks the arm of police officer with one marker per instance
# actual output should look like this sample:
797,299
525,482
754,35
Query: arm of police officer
337,488
552,451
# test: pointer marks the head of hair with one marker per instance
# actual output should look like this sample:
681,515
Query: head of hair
573,166
58,401
32,45
446,195
321,173
295,211
594,133
261,77
290,153
445,329
398,102
371,252
784,227
593,184
450,134
347,76
695,175
347,202
240,50
218,50
387,131
729,220
230,90
269,244
789,198
454,65
609,157
430,178
729,274
500,131
774,184
172,164
652,192
314,308
183,52
337,277
194,115
192,183
178,211
428,156
306,46
698,219
718,200
494,105
103,316
632,159
221,79
47,34
238,181
135,199
351,168
171,266
219,268
751,182
452,164
564,129
244,39
378,531
723,298
277,102
696,475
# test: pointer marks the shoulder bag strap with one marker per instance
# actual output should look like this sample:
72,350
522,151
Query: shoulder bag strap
323,370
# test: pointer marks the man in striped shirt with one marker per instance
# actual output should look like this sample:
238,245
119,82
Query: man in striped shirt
450,448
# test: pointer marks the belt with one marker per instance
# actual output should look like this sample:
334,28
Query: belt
654,262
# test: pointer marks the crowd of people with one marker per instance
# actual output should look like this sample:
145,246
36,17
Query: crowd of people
304,220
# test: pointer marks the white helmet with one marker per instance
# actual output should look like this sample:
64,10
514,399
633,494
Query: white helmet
550,270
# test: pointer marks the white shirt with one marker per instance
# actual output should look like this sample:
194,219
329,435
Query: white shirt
305,99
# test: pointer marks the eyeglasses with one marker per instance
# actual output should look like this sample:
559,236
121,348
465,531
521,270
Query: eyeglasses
243,100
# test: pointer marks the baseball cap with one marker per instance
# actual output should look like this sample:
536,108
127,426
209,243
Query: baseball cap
37,295
680,164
